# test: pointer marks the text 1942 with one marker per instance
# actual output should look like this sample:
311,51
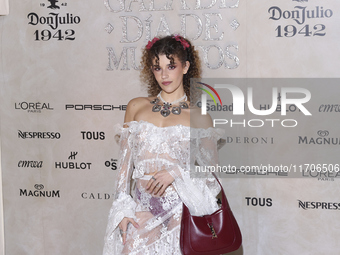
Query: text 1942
291,30
46,35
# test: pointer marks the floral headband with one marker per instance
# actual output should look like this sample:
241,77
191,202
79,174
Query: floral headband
151,43
178,38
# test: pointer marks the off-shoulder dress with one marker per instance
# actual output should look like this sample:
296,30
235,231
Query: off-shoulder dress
145,149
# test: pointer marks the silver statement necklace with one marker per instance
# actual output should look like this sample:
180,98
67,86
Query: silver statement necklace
165,108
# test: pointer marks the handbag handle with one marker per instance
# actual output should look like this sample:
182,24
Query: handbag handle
224,198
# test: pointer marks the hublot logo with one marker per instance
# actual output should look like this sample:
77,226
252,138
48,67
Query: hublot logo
72,165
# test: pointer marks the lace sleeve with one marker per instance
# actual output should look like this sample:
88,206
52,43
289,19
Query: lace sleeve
198,190
123,204
207,145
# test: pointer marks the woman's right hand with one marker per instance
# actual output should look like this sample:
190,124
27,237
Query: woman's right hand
123,226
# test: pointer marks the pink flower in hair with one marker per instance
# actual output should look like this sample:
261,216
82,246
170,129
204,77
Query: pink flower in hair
151,43
180,39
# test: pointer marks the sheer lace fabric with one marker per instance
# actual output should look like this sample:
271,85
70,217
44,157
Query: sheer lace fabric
144,150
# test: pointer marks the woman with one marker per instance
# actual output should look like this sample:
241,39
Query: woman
159,145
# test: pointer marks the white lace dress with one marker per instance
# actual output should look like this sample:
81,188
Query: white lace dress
146,148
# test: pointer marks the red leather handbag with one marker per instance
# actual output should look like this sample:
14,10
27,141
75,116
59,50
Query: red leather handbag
212,234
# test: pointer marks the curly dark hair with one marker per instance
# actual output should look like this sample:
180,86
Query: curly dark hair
171,46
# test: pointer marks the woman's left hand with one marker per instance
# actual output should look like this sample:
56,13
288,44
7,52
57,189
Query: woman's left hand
159,182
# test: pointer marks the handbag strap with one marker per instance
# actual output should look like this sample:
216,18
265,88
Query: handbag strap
224,198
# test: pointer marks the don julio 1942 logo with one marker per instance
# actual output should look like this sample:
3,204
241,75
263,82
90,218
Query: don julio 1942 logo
53,25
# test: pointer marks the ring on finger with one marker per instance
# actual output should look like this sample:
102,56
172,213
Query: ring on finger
153,178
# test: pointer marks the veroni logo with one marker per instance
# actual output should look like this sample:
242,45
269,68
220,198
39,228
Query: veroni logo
250,140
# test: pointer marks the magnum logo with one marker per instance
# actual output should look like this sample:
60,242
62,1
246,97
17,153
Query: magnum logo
39,192
323,139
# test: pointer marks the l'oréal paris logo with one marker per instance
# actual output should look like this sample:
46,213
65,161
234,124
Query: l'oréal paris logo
32,107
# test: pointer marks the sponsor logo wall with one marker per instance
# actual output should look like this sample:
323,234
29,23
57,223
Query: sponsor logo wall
69,69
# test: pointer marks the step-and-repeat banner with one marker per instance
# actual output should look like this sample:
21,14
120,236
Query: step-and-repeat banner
69,68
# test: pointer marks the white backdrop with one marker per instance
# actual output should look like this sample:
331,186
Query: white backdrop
68,69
